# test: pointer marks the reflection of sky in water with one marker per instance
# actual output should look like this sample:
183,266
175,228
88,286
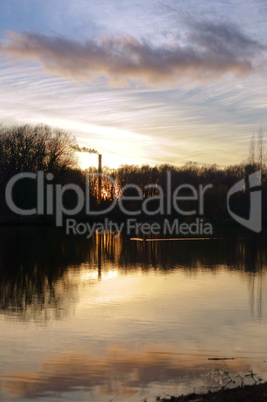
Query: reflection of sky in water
123,372
132,328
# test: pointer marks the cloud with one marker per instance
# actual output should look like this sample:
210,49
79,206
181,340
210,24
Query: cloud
206,51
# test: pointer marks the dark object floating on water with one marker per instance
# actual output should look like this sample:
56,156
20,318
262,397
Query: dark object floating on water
221,358
176,238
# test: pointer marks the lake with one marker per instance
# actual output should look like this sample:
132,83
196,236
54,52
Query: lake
106,319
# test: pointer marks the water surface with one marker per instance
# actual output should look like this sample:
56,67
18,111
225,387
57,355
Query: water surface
114,319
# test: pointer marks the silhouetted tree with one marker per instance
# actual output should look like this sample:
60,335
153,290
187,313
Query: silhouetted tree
32,148
257,151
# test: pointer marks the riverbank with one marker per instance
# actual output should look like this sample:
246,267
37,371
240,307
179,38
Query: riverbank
248,393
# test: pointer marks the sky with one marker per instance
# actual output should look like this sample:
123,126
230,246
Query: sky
162,81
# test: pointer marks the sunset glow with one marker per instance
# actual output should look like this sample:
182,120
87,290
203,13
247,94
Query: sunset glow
133,200
187,101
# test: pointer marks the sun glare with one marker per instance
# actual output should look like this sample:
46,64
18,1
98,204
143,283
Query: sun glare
109,160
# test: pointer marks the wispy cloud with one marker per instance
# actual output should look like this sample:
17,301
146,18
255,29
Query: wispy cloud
202,123
207,51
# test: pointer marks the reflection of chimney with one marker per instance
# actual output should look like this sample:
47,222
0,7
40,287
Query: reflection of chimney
99,177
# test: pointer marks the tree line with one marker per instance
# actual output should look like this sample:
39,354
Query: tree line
26,148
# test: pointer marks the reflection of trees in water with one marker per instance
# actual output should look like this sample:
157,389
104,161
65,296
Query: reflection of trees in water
39,267
257,278
257,289
237,253
33,264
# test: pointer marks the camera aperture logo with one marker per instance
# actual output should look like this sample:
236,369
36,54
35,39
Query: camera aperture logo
254,222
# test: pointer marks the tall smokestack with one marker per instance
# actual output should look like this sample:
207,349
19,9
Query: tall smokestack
99,177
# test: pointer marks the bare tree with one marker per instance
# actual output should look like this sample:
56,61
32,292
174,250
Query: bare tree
257,152
260,148
252,150
32,148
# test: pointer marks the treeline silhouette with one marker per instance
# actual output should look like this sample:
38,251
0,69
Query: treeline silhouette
28,148
215,198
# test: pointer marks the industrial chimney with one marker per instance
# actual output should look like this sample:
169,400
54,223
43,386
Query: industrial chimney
99,176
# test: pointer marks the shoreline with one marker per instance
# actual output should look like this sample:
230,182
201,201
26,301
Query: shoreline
248,393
